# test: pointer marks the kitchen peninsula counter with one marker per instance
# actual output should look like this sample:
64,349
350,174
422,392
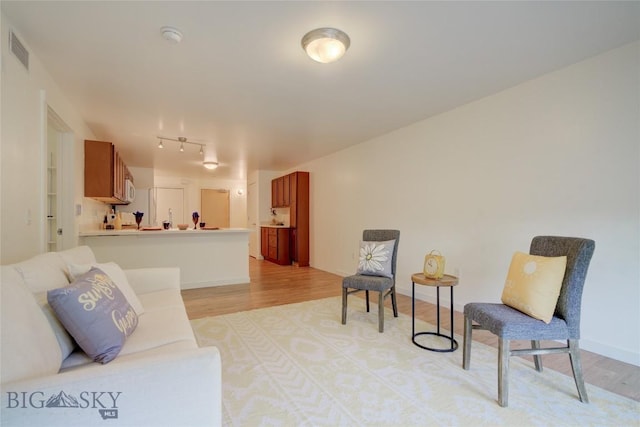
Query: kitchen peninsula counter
205,257
145,233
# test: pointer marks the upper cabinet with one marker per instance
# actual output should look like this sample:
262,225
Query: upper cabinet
105,173
281,192
279,197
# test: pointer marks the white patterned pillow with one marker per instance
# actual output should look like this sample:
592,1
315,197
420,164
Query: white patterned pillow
375,258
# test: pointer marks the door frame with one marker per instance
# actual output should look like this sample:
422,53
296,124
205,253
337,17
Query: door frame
65,183
252,221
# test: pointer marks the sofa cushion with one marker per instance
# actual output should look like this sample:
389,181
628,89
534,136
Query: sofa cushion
78,255
116,274
43,272
79,358
164,323
96,314
29,346
65,341
166,298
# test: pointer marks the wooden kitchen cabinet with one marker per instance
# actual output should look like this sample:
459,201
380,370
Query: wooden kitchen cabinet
274,193
292,191
275,247
299,217
286,190
105,173
280,192
264,241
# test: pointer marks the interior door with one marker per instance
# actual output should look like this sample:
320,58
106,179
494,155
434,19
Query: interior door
214,207
170,200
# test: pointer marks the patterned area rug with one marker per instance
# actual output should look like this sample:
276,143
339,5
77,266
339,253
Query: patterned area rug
296,365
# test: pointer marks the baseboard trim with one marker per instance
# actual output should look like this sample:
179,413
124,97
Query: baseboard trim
210,284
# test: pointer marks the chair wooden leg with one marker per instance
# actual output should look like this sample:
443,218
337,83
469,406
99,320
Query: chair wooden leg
344,306
394,303
466,346
537,359
576,366
381,312
367,297
503,372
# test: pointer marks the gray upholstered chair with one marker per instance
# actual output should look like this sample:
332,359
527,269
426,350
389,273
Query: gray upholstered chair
386,286
510,324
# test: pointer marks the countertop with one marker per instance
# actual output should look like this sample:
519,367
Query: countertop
171,232
270,225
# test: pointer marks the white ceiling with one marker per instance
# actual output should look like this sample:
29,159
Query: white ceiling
241,81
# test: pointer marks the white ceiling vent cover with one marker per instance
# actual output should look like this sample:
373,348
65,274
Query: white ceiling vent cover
19,50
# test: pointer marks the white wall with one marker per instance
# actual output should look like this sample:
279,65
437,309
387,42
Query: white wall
24,93
555,155
142,177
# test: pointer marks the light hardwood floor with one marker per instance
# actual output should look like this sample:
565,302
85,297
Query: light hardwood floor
273,285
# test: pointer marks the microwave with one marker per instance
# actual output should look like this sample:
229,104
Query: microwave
129,191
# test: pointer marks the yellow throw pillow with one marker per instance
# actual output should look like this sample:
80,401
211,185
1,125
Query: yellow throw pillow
533,284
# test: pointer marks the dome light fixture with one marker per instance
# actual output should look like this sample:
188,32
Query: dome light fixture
325,45
171,34
210,165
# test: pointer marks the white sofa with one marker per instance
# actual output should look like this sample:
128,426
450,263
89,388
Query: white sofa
160,378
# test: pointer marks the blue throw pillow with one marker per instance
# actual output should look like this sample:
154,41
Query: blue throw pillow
375,258
95,313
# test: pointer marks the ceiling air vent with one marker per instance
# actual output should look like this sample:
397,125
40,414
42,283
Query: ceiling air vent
19,50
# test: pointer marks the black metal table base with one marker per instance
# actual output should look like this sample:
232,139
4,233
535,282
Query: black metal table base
454,343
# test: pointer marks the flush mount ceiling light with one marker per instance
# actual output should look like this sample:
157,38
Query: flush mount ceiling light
325,45
210,165
171,34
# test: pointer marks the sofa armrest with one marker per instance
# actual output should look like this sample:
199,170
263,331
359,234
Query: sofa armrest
171,389
145,280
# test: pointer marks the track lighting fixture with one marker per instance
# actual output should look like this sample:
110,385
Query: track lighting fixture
182,140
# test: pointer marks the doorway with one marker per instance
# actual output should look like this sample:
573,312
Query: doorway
214,206
58,228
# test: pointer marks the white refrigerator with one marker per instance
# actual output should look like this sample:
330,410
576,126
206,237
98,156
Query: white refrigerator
145,201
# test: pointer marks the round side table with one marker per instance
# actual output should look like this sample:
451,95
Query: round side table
446,281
